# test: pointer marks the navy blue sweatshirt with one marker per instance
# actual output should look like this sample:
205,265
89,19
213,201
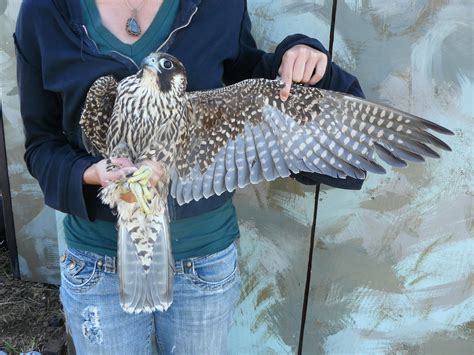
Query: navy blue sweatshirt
57,62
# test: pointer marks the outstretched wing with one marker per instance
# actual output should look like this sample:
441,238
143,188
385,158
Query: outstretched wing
244,134
97,113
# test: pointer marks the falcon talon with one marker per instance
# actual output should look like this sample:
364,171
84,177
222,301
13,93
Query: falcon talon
139,196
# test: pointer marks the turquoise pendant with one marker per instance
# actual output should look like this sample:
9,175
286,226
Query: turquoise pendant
133,28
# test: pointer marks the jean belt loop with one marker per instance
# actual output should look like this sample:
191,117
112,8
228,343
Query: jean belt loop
110,264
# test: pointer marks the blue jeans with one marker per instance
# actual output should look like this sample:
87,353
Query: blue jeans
206,292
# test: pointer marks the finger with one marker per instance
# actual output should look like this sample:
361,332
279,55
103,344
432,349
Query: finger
121,162
320,70
129,170
119,174
286,73
159,168
309,69
298,68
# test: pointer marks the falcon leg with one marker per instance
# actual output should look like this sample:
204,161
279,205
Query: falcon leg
136,189
138,183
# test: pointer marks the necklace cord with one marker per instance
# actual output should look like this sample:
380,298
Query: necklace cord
135,9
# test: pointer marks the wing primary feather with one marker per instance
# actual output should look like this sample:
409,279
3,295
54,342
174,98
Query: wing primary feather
406,154
388,157
434,126
425,137
410,145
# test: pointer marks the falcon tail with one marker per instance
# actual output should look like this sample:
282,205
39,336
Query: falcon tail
146,285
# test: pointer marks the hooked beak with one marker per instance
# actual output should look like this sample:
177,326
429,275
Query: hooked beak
150,63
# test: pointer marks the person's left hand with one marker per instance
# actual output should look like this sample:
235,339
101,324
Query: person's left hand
301,64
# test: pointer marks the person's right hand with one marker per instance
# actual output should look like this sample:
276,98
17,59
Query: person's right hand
97,173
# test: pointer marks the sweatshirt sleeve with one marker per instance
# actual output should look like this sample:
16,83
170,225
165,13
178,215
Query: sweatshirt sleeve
50,158
255,63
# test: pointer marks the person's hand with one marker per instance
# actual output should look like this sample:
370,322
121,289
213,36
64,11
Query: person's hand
301,64
97,173
158,171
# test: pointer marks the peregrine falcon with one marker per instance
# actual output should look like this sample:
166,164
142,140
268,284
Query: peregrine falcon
217,140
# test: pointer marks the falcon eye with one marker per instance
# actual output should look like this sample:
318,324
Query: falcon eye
166,64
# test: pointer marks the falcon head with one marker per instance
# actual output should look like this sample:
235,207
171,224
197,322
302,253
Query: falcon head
164,71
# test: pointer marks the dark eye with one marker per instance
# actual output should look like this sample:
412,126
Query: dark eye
166,63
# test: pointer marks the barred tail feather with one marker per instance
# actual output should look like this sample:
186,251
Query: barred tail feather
146,289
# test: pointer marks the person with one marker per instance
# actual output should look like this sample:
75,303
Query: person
62,47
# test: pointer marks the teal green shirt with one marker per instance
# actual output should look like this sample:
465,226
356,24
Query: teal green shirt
149,41
201,235
195,236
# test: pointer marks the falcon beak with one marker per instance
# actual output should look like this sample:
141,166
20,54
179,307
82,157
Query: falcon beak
151,63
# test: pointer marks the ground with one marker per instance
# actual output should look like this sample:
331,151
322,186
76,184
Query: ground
31,317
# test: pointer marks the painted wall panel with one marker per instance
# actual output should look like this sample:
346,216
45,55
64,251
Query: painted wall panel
393,267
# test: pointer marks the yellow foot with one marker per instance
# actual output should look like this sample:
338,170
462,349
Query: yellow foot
138,183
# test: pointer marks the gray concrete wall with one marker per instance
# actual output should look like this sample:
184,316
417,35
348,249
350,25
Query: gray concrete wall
392,270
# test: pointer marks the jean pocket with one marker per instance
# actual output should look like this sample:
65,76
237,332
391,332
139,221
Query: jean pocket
77,274
215,271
